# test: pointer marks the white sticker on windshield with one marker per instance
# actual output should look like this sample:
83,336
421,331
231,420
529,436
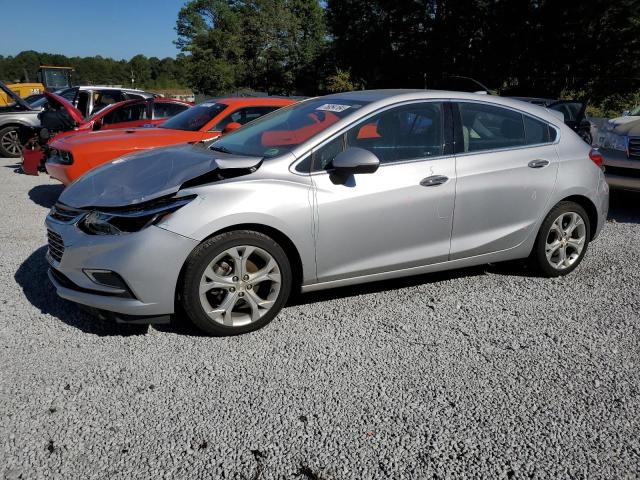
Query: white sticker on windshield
333,107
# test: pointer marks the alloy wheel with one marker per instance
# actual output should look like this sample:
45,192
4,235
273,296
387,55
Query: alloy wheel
565,240
11,142
240,285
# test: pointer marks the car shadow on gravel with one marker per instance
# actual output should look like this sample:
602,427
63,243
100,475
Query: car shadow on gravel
624,206
46,195
386,285
32,278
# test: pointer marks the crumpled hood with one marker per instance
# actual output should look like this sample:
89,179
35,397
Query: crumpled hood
147,175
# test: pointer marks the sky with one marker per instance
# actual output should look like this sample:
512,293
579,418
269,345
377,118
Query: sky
118,29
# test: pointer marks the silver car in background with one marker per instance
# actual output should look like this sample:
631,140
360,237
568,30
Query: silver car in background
332,191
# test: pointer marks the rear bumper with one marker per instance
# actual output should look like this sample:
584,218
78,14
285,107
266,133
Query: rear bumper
621,172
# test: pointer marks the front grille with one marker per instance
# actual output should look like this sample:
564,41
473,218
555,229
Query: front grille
65,214
634,148
56,245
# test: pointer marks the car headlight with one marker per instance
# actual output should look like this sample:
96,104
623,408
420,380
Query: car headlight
613,141
60,156
128,220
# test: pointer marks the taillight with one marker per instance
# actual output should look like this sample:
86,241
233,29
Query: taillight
596,157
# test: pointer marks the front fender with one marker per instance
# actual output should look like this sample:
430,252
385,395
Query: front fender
279,204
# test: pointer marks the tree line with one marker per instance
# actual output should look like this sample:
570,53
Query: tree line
551,48
149,73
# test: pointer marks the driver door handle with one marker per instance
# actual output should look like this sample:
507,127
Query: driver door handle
434,180
538,163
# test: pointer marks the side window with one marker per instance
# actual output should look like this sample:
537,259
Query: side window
130,113
487,127
243,115
535,131
403,133
570,110
104,98
69,94
83,102
166,110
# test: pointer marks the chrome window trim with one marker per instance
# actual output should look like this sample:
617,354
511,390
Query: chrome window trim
322,143
520,147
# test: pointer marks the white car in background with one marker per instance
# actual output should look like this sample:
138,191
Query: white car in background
619,143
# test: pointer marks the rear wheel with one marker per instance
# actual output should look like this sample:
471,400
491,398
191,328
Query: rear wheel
10,146
562,241
235,282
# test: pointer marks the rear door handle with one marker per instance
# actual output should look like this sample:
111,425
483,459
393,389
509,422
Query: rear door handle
434,180
538,163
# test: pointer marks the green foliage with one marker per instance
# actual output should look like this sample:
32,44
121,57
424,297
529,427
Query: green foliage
148,73
518,47
341,82
268,45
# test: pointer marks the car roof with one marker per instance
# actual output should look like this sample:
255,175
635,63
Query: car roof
381,97
235,101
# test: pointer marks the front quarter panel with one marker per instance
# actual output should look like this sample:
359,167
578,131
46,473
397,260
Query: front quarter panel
281,203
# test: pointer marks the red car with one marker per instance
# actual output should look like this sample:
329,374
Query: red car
128,114
73,155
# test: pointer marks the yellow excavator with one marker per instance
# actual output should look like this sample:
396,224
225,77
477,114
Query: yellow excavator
49,78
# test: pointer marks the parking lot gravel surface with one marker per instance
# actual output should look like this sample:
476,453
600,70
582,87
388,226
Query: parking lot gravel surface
485,372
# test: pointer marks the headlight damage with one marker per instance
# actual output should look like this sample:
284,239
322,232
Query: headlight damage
128,220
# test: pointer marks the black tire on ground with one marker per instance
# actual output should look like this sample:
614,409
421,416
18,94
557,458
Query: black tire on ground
538,258
204,254
10,142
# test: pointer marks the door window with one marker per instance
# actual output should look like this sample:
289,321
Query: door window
487,127
130,113
83,102
242,116
104,98
403,133
570,110
69,94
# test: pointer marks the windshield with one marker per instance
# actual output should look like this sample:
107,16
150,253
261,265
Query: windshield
194,118
283,130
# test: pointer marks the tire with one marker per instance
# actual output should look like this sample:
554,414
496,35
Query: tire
559,235
241,295
10,146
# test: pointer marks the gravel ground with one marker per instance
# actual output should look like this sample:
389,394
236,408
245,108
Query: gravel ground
483,372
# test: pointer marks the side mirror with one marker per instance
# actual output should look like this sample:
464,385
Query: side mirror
231,127
97,125
355,160
625,113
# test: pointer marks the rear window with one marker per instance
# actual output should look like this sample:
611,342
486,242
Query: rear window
195,118
535,131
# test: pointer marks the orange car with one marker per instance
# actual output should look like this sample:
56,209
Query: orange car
73,155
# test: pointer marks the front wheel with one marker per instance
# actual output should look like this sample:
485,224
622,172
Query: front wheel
235,282
562,240
10,146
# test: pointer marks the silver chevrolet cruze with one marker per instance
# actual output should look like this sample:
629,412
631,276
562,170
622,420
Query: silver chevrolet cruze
332,191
